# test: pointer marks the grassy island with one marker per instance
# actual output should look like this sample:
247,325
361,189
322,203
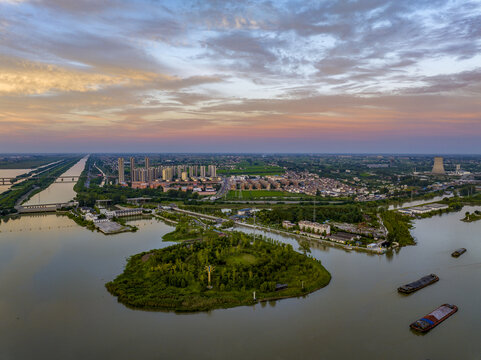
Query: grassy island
470,217
176,277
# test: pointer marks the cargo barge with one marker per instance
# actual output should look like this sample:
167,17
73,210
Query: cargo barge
434,318
418,284
458,252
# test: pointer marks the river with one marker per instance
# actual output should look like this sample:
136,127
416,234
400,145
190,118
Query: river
10,173
418,202
59,192
53,303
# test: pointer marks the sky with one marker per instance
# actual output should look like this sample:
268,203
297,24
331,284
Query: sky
240,76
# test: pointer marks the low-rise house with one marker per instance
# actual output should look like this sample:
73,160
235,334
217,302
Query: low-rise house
286,224
343,237
315,227
90,217
438,206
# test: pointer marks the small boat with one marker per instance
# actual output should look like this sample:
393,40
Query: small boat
418,284
458,252
434,318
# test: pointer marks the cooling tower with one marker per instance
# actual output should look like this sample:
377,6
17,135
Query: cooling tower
438,167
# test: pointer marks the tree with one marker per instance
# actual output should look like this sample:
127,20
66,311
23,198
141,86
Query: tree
304,247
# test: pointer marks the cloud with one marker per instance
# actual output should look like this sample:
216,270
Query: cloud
256,70
26,77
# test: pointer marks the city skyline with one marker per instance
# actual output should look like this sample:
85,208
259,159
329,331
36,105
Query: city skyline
240,77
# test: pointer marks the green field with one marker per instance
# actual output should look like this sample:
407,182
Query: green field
28,161
263,194
257,168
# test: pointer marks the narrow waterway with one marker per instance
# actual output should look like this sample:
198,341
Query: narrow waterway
10,173
59,192
418,202
53,303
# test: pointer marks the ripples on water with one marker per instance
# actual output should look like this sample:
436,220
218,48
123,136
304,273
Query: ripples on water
53,303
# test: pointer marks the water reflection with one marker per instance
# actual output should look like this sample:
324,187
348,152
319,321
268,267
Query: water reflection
10,173
59,192
53,303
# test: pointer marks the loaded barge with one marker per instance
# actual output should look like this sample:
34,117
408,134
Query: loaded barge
458,252
418,284
434,318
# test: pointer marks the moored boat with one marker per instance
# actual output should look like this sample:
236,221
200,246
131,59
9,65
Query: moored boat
418,284
434,318
458,252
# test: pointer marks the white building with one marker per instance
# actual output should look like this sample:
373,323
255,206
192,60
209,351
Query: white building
315,227
286,224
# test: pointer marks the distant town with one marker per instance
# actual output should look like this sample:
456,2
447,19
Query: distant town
351,201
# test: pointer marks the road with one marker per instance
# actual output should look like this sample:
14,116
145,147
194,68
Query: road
224,188
104,179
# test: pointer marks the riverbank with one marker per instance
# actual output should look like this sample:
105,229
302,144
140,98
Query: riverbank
288,233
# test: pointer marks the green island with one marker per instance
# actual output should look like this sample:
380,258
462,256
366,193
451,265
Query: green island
470,217
176,277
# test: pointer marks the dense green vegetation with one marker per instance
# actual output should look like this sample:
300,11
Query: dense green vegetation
119,194
342,213
398,226
260,194
184,230
175,278
251,166
470,217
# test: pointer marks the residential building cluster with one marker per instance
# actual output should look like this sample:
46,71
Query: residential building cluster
299,183
187,177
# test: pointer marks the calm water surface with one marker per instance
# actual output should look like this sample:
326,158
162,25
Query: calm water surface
419,202
53,303
59,192
10,173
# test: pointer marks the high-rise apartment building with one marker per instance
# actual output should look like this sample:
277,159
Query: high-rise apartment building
147,162
168,174
202,171
150,174
142,175
121,171
212,170
185,176
193,171
180,169
132,169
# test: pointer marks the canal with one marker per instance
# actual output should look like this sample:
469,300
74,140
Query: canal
10,173
53,303
59,192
